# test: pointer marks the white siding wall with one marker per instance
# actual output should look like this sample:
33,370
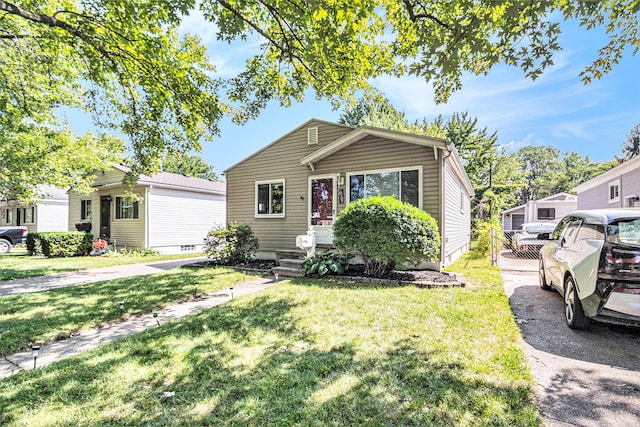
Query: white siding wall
52,216
178,218
457,218
598,196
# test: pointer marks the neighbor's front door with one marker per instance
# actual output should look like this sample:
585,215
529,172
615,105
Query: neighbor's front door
105,217
322,207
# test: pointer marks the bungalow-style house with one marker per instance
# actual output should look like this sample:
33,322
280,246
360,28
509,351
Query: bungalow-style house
168,212
547,209
48,214
619,187
305,179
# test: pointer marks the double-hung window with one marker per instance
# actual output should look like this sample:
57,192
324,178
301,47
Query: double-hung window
28,215
7,216
270,199
85,209
404,184
127,207
614,191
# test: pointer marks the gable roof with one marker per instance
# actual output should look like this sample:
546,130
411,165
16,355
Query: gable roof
178,182
302,126
611,174
362,132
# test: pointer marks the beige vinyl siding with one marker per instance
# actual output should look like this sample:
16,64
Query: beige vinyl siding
457,222
280,160
178,218
74,211
373,153
128,233
111,176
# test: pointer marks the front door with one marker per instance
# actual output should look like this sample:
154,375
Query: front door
322,207
105,217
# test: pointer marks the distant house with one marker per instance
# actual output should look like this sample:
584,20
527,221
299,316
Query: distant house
618,187
308,176
168,212
546,209
48,214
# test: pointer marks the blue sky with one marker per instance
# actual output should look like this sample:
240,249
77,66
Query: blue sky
557,109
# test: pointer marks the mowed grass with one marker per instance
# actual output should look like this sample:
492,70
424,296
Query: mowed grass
305,352
17,264
43,317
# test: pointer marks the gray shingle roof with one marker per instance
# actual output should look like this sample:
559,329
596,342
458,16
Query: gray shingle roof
177,180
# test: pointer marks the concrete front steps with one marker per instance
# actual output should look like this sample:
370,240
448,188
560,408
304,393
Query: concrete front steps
289,263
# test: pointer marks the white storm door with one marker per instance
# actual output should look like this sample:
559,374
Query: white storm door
322,207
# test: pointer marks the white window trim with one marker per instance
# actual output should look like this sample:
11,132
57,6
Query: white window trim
284,198
33,216
613,184
374,171
86,218
114,204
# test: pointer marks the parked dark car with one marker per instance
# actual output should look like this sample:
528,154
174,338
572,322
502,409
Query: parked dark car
10,236
593,260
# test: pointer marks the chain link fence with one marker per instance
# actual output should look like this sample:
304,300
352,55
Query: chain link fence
508,256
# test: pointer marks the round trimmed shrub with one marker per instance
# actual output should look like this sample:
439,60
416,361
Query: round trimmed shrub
386,231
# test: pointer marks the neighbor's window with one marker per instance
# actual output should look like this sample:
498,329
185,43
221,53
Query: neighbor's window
27,215
85,209
7,216
401,184
127,207
546,213
270,198
614,191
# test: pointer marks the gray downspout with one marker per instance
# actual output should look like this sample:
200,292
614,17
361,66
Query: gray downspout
443,214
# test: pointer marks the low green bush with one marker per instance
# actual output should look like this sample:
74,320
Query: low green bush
232,245
60,244
386,232
34,246
482,234
322,263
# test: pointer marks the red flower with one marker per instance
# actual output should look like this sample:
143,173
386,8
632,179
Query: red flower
99,244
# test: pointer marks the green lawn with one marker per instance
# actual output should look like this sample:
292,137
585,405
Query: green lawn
305,352
43,317
17,264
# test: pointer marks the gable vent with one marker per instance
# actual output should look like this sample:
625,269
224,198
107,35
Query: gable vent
312,136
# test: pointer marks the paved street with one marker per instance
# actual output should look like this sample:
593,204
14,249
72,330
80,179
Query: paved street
584,378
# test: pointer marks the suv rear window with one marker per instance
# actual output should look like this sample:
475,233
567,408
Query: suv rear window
624,231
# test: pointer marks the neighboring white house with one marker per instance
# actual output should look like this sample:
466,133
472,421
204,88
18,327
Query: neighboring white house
168,212
618,187
48,214
547,209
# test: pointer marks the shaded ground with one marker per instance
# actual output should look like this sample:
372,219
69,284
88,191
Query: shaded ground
585,378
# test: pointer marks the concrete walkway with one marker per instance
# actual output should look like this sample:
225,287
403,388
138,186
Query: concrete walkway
53,281
90,339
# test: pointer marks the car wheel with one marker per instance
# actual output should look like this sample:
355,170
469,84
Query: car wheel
5,246
573,313
543,277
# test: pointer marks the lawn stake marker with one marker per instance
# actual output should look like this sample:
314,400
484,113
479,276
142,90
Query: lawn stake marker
121,307
35,349
231,289
155,316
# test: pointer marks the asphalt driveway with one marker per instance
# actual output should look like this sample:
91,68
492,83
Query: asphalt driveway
585,378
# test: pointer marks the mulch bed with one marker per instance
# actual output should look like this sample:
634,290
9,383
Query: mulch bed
355,273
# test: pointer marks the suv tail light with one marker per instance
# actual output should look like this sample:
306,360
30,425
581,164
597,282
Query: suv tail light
24,231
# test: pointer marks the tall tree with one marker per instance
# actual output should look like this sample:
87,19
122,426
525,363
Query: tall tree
631,145
125,63
189,164
374,110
